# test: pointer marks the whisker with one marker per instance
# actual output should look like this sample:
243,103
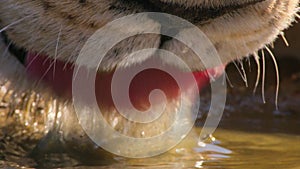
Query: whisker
211,77
249,64
76,72
14,23
228,80
56,50
284,39
70,57
244,73
277,76
263,76
45,73
272,45
48,58
240,72
4,55
248,60
6,49
256,58
46,46
224,78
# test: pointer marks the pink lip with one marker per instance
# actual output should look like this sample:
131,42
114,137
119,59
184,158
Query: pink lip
59,77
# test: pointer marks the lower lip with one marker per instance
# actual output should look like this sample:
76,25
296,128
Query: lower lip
59,77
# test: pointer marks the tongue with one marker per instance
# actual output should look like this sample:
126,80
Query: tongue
59,76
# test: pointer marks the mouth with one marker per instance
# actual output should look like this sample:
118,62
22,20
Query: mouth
60,76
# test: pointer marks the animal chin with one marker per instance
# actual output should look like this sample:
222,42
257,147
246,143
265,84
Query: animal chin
59,77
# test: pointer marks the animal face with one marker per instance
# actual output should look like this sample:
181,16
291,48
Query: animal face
51,31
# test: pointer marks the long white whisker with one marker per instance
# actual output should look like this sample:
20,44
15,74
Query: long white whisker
249,63
256,58
240,72
56,50
284,39
277,76
244,73
14,23
263,76
228,80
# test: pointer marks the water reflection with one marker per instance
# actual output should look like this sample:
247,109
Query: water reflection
236,149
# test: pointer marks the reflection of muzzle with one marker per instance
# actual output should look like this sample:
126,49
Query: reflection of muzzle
152,103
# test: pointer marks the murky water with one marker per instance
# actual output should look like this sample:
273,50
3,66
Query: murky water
234,149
